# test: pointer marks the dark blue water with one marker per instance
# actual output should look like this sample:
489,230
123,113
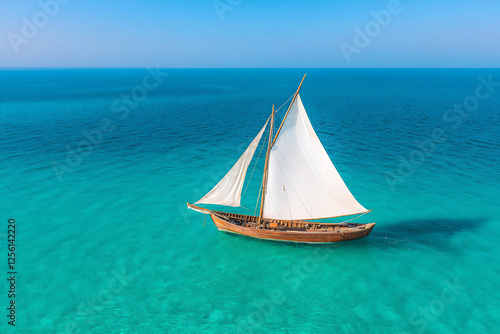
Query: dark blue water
96,169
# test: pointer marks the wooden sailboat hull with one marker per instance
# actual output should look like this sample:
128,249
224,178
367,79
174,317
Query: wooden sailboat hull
301,155
338,232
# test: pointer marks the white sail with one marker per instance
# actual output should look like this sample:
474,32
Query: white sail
228,190
303,182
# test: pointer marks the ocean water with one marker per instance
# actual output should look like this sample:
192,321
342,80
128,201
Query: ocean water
96,170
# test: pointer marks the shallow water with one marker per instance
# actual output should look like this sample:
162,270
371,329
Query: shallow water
106,244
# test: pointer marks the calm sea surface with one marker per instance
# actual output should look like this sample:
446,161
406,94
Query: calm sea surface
97,166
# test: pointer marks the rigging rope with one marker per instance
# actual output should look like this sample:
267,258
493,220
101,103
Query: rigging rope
361,215
253,170
258,197
258,157
284,103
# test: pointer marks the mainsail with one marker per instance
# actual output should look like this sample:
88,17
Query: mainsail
302,181
228,190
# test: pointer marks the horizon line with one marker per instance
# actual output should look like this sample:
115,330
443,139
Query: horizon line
236,68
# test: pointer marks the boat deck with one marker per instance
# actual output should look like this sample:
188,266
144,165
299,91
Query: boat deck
286,230
283,225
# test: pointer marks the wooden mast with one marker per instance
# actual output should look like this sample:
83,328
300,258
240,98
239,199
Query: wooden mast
266,166
269,146
290,106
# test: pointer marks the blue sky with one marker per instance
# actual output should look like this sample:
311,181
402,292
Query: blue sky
249,33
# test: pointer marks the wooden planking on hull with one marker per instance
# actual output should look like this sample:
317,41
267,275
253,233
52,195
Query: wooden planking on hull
304,236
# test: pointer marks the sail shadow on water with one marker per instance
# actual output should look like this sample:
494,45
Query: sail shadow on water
435,233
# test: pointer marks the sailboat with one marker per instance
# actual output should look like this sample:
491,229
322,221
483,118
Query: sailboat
299,184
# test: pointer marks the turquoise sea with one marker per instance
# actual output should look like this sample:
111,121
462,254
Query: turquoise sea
97,166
